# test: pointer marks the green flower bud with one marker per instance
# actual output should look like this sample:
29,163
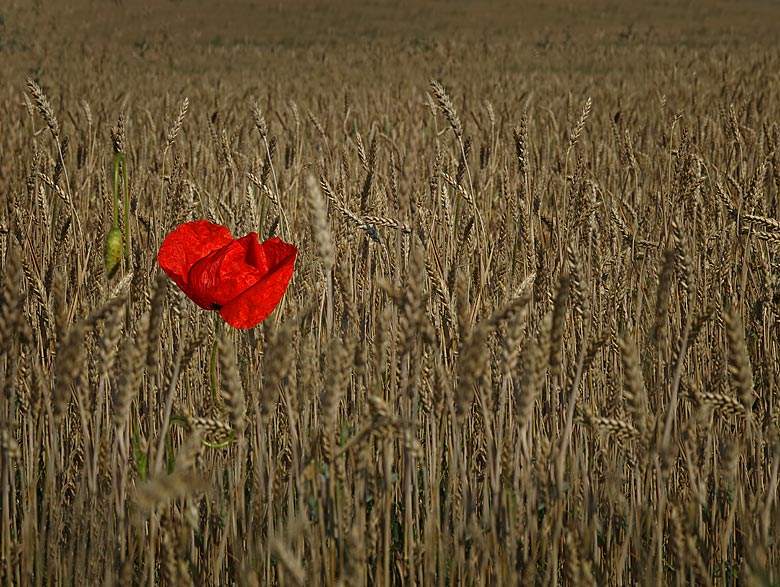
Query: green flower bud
113,250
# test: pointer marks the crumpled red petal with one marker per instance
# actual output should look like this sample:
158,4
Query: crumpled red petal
242,278
187,245
224,274
255,304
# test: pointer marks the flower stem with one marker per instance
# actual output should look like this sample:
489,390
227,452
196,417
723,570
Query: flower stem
117,162
213,370
127,210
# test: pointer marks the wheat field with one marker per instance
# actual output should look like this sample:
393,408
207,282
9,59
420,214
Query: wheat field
532,333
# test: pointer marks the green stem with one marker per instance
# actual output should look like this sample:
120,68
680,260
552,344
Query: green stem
117,160
127,210
213,370
221,444
213,376
171,462
181,420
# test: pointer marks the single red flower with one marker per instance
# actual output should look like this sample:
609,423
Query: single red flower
242,278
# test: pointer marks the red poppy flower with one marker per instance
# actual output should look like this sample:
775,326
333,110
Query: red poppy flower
242,278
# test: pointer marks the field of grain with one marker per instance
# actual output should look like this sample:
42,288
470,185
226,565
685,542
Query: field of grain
532,333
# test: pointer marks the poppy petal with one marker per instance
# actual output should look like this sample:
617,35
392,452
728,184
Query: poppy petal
224,274
255,254
187,245
255,304
276,251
